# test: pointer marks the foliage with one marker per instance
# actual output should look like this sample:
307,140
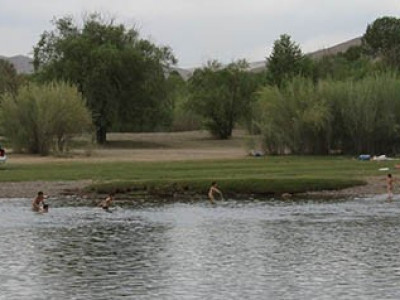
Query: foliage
9,80
41,117
352,64
178,94
287,61
294,118
366,114
352,116
222,96
120,74
382,39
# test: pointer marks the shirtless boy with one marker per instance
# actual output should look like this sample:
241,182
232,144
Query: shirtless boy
37,201
105,204
214,189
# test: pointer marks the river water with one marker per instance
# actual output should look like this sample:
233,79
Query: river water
234,250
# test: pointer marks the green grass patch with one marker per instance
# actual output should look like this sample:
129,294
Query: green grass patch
250,175
253,186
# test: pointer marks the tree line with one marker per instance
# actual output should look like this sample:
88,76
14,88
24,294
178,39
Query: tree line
103,76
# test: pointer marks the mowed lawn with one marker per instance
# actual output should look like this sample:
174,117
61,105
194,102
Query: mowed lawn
190,161
270,174
269,167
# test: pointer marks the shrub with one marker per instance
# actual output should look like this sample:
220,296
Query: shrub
43,117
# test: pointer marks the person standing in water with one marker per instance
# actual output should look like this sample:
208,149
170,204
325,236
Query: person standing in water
212,190
105,204
38,204
389,186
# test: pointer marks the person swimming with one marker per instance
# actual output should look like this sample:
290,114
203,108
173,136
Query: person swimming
105,204
38,204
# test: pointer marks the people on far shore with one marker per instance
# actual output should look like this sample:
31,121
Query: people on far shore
389,186
214,190
38,204
105,204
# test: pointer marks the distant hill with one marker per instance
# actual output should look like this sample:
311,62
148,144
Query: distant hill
23,64
259,66
339,48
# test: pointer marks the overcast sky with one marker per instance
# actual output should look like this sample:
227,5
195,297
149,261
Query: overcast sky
200,30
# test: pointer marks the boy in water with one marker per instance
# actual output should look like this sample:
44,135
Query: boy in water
37,201
105,204
389,186
212,190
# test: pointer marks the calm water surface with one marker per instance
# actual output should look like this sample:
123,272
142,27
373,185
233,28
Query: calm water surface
235,250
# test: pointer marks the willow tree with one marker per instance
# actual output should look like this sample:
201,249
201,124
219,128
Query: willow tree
222,96
43,117
120,74
353,116
294,118
366,114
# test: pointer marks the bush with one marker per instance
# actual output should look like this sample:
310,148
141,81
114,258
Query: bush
43,117
351,116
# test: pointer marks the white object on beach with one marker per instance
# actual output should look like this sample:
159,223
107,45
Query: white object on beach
380,157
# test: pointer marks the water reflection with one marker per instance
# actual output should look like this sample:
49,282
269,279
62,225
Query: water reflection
235,250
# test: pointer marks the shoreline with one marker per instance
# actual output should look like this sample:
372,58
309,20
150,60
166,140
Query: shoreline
86,189
29,189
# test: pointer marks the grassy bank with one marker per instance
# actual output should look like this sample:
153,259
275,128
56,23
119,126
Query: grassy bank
231,187
269,175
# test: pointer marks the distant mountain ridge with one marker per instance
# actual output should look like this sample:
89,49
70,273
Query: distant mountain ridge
24,64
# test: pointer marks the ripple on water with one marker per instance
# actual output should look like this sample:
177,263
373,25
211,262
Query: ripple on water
234,250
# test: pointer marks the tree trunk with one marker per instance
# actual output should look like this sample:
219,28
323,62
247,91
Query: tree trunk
101,134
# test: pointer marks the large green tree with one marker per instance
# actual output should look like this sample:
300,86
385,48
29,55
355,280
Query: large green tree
222,95
382,40
286,61
120,74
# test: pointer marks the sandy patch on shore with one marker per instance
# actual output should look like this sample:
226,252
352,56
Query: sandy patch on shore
29,189
374,186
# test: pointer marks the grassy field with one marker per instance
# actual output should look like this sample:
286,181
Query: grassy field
265,175
170,163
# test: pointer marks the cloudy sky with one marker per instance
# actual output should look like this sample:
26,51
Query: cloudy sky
200,30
